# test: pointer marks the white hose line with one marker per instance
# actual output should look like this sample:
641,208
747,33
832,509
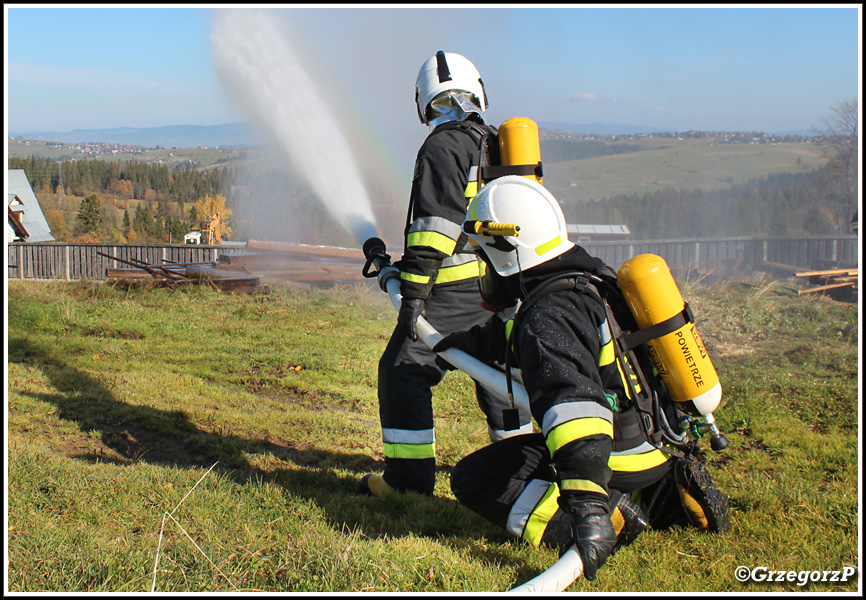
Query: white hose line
482,373
569,567
557,578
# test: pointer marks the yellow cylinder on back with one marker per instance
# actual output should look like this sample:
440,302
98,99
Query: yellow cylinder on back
680,356
518,143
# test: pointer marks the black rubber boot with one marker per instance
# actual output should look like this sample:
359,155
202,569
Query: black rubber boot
704,503
627,517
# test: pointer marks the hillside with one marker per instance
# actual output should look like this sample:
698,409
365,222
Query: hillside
672,163
582,171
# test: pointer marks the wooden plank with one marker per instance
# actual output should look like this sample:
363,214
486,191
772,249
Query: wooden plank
827,273
823,287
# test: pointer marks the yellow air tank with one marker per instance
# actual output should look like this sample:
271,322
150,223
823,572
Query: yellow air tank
679,356
519,145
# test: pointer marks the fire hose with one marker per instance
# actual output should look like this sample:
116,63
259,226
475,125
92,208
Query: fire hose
569,566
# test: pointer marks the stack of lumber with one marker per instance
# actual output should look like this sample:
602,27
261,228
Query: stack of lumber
829,280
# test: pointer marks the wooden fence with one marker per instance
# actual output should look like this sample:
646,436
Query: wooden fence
726,255
68,262
85,261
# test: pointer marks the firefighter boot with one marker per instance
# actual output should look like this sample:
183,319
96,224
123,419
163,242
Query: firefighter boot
627,517
705,505
374,484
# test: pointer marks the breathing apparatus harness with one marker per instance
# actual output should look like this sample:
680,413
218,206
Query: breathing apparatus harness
653,407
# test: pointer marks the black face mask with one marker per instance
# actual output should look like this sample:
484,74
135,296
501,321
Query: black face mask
497,293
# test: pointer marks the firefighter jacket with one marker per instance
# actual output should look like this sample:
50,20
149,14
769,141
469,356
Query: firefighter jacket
445,179
563,345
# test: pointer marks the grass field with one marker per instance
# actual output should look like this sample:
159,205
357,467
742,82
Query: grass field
681,164
191,441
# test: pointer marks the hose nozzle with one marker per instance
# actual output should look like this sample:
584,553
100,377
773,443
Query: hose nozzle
374,252
491,228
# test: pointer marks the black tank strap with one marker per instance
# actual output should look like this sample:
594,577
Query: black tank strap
641,336
494,171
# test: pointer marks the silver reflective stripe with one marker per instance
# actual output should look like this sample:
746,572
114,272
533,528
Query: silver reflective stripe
458,259
604,333
473,173
501,434
645,447
438,224
407,436
568,411
524,505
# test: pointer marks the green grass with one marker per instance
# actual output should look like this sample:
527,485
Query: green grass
682,164
121,400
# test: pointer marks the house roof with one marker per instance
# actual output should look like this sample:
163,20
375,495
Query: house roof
32,218
598,229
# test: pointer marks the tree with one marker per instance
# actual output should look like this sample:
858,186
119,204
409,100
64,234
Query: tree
839,189
90,215
209,206
142,222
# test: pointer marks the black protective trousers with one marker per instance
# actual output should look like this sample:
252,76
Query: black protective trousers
490,480
408,372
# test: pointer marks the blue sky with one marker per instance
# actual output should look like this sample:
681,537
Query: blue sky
708,67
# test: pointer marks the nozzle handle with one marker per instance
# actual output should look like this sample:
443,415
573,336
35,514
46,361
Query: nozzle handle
491,228
374,251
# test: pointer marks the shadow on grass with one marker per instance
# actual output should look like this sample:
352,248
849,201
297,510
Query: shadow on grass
137,434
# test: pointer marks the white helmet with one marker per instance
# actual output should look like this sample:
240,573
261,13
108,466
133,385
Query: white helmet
447,71
526,203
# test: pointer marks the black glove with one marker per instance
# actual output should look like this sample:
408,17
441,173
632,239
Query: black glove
407,318
485,342
457,340
593,534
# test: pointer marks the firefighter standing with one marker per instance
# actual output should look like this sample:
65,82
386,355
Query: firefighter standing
438,276
574,482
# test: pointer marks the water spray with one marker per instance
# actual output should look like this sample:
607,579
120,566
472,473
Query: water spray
257,65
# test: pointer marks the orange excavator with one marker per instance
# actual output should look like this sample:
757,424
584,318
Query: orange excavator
209,232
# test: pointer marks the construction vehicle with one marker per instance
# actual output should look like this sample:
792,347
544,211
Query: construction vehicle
209,232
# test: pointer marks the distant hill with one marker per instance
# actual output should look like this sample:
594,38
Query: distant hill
242,135
600,128
173,136
617,129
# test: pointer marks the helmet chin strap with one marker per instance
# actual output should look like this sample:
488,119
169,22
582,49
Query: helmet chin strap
520,276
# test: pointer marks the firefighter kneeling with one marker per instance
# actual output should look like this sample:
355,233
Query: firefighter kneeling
597,474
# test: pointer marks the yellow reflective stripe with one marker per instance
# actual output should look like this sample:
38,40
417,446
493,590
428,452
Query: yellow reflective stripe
575,429
410,450
544,511
414,278
471,189
634,379
431,239
508,325
631,463
547,246
457,272
581,485
607,355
